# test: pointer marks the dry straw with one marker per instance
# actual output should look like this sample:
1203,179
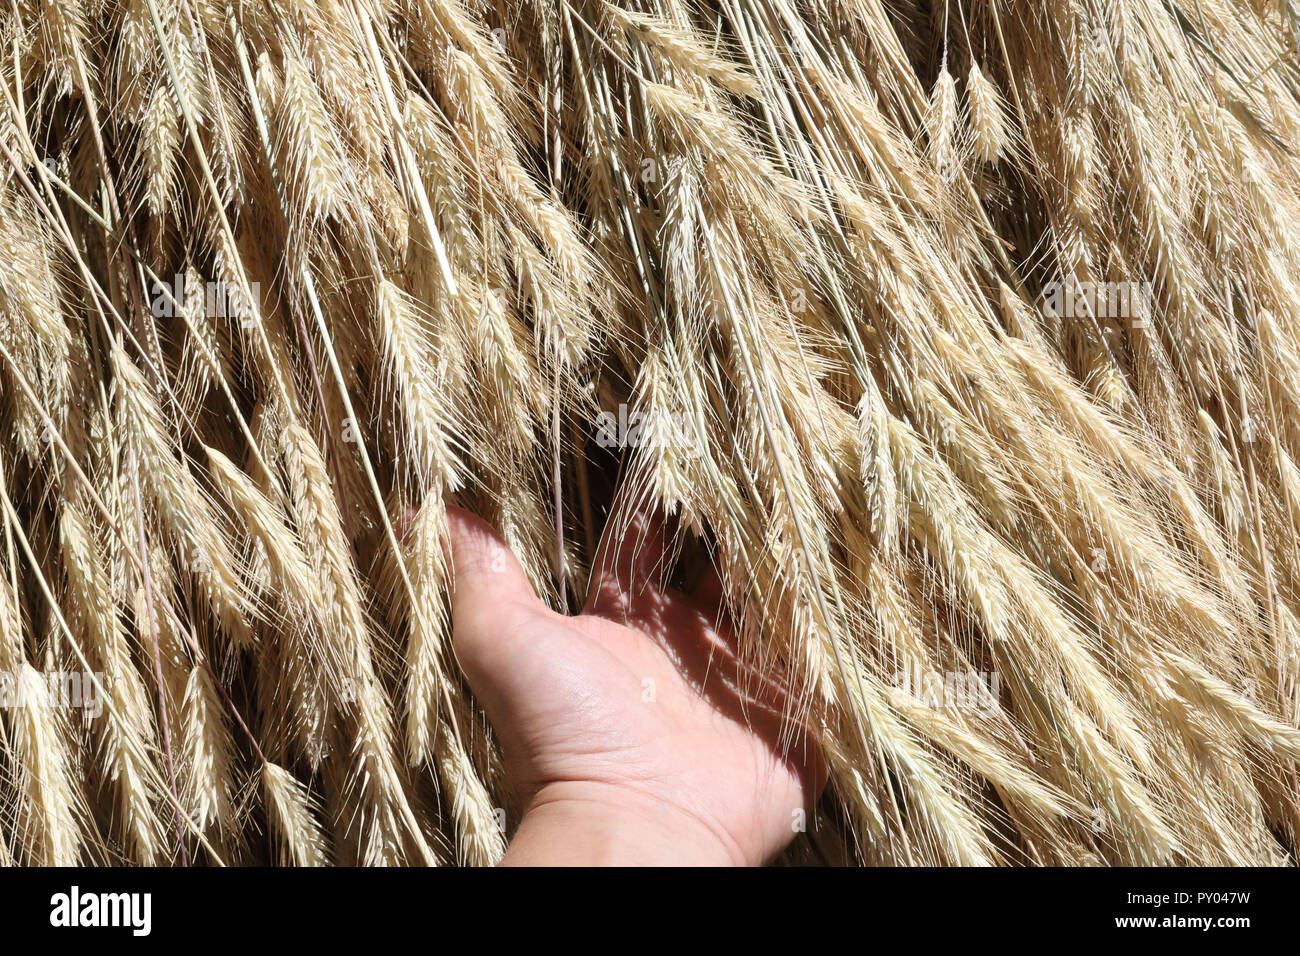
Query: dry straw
425,243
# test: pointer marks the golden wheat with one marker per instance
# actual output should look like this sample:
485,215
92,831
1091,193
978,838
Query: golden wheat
967,345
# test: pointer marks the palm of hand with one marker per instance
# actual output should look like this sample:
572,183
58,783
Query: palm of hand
638,702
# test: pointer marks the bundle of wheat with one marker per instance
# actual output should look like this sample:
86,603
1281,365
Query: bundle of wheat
964,339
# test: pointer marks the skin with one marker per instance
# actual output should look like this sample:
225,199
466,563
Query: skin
632,731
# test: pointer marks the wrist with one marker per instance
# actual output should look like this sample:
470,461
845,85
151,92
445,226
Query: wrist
584,824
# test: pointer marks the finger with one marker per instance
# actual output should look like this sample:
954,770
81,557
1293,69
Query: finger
489,587
629,563
402,523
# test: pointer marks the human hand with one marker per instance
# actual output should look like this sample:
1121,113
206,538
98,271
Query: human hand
633,732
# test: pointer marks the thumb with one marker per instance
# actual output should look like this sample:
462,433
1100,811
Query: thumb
490,591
